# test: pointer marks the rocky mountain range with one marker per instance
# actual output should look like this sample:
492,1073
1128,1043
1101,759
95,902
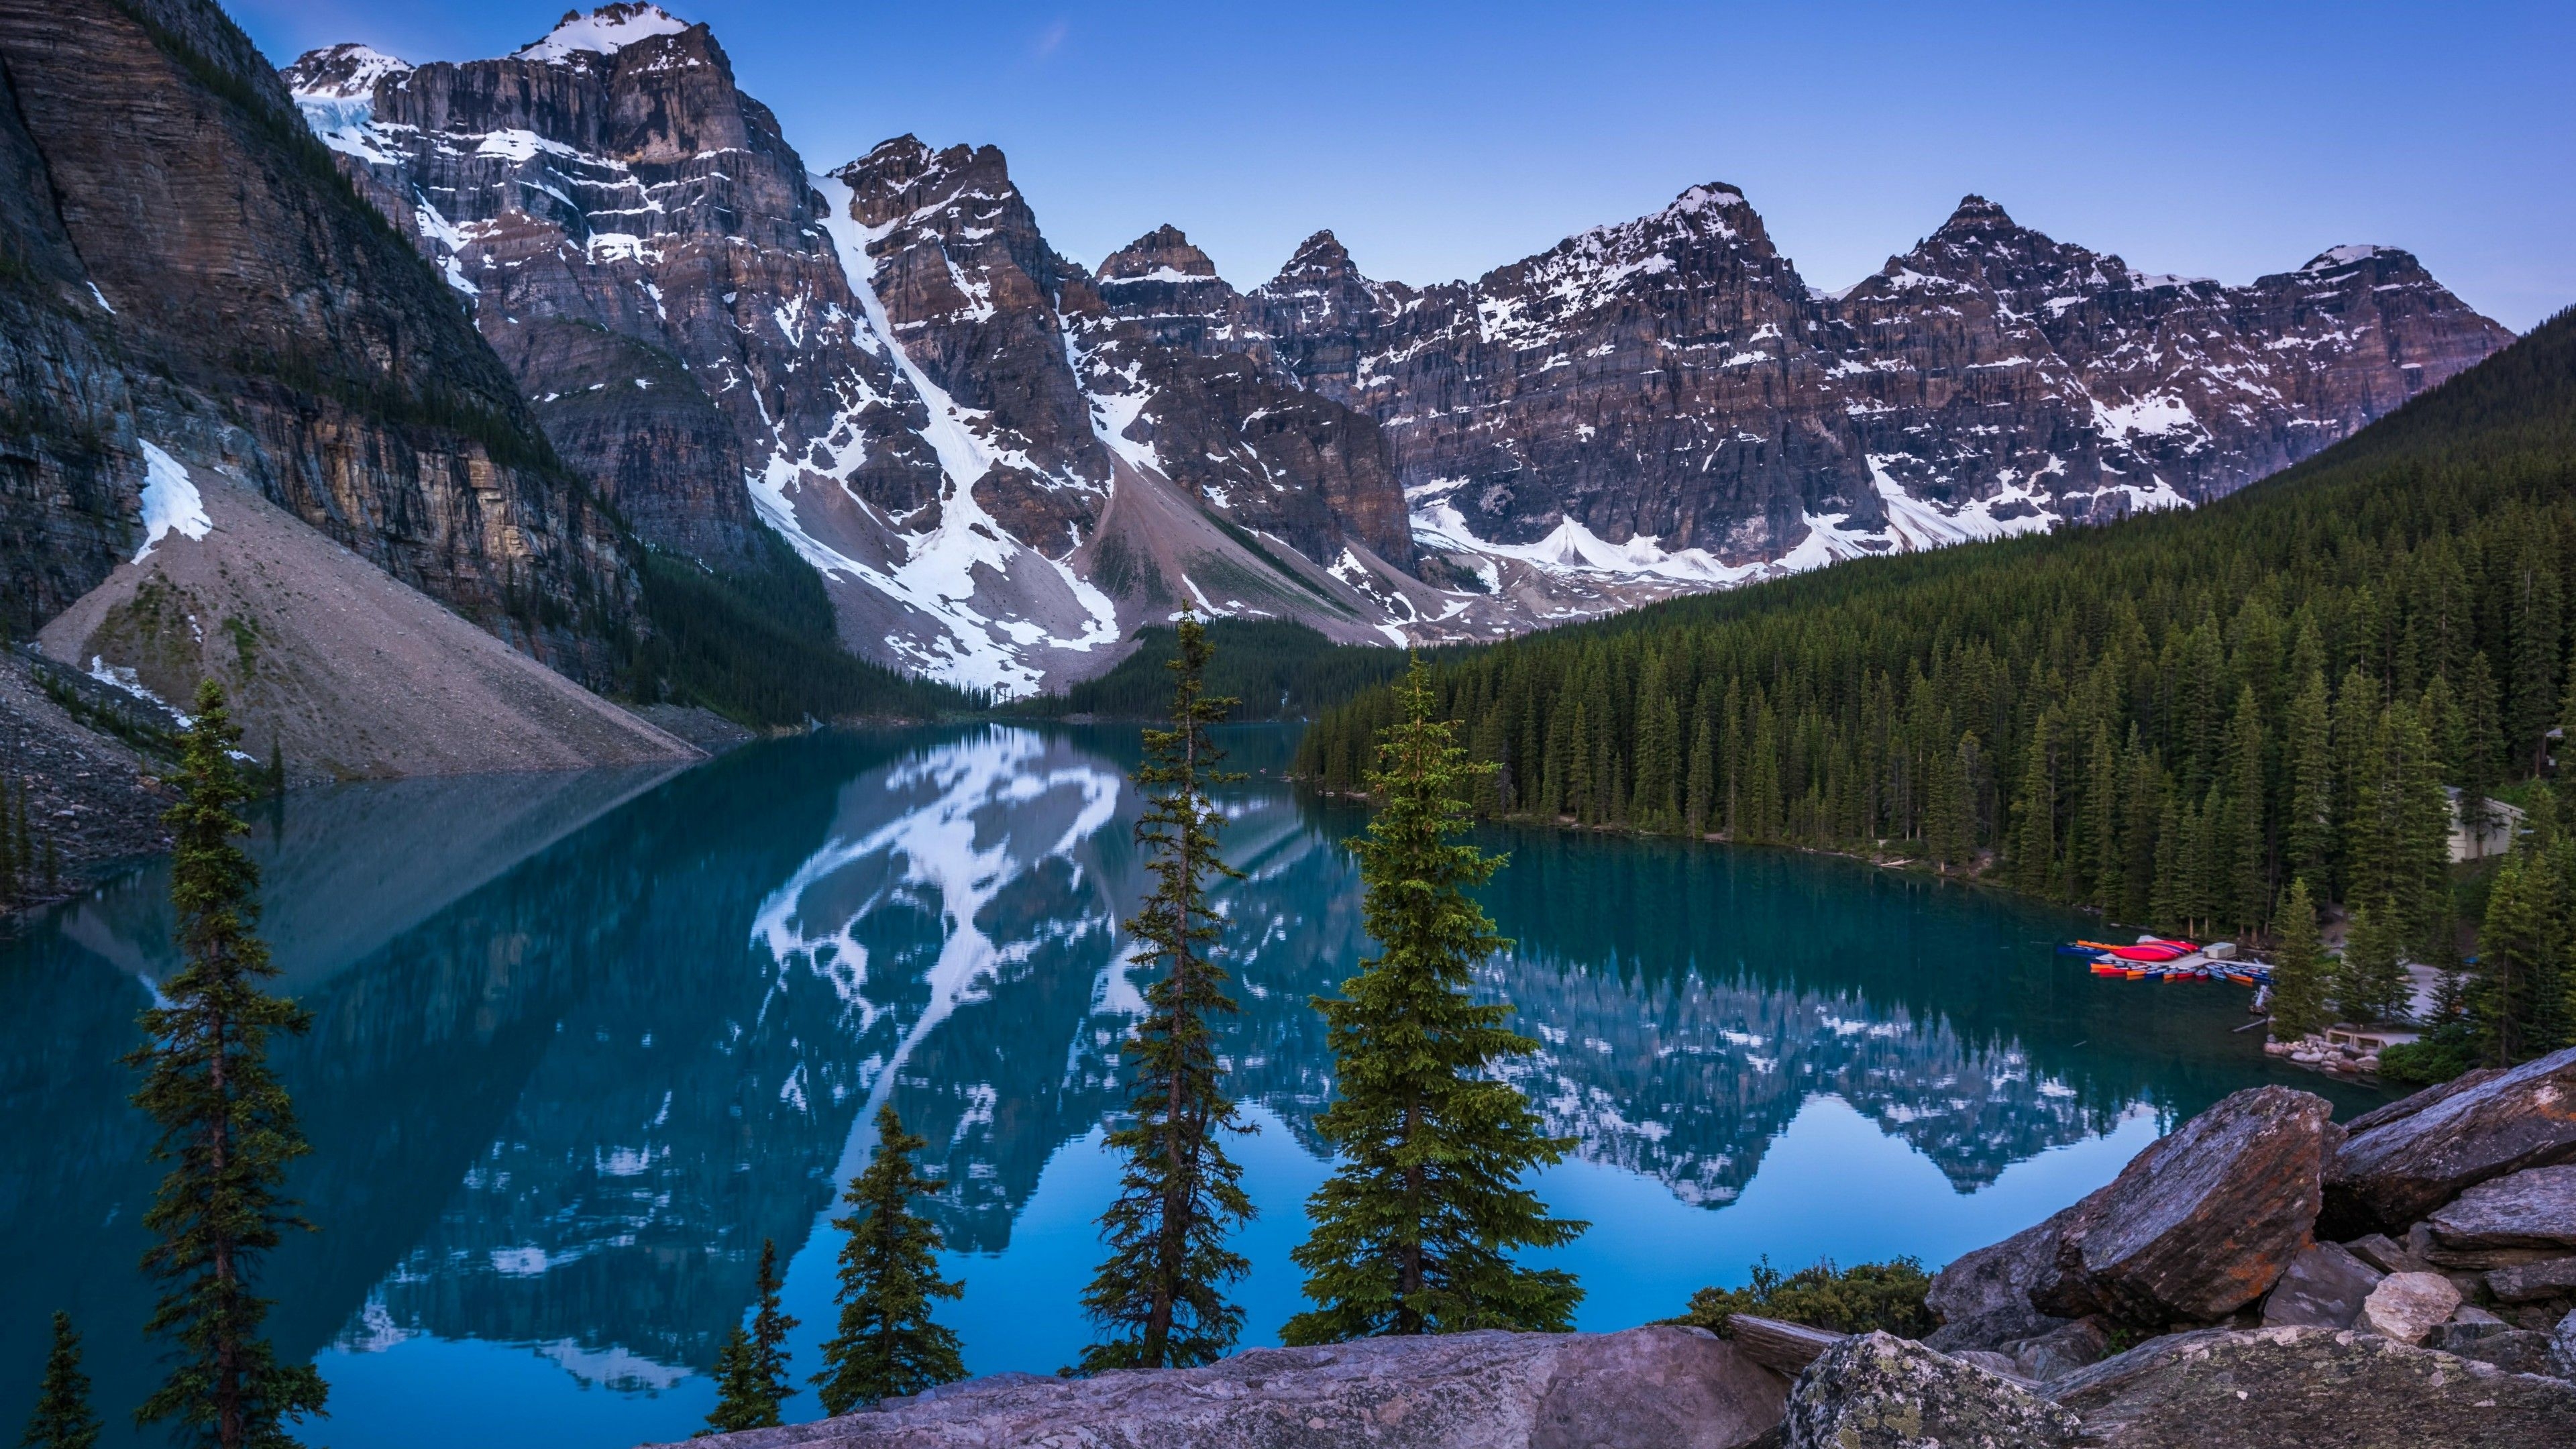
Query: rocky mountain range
648,324
1002,461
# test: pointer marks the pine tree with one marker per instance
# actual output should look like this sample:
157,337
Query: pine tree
2307,825
2520,948
63,1418
887,1346
226,1123
2298,969
738,1388
1414,1232
2242,857
2370,983
1160,1296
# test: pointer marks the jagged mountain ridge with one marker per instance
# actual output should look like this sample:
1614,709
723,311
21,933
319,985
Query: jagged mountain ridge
1669,397
886,358
1002,462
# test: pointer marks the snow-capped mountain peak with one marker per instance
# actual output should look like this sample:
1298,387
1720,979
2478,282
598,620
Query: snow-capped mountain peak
341,73
604,31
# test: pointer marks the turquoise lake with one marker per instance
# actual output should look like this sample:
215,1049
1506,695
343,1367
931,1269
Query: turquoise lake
583,1041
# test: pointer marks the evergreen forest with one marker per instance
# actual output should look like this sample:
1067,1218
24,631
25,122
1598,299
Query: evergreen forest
2168,719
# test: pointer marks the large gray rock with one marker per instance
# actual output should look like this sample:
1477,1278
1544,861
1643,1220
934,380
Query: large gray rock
2060,1351
2531,1282
1878,1391
2309,1388
1647,1388
2323,1288
2562,1348
2533,1208
2204,1220
2390,1173
1983,1298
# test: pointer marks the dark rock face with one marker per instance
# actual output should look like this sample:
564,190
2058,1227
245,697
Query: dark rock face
2389,1174
2300,1387
2533,1208
2203,1221
638,241
2323,1287
264,322
1983,1298
1647,1388
1673,378
2530,1282
1877,1391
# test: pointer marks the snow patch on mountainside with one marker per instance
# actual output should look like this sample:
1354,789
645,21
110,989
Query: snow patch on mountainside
171,503
947,568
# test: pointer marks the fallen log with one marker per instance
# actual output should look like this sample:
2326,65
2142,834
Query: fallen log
1786,1347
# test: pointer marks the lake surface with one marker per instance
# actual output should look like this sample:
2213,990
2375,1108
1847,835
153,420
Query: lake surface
583,1041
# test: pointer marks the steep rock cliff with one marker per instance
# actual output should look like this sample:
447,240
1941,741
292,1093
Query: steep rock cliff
191,270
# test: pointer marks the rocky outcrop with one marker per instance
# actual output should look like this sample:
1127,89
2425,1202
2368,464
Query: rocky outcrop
1647,1388
2533,1208
1877,1391
2202,1222
2300,1387
2397,1169
195,274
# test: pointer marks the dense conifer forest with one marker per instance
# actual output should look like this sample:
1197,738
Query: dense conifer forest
2169,718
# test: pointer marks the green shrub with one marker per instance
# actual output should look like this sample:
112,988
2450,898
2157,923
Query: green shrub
1871,1296
2435,1059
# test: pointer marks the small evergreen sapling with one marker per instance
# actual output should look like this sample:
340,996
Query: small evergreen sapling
63,1418
227,1127
887,1347
1415,1230
1160,1297
751,1368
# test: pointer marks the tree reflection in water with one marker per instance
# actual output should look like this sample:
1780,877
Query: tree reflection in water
584,1041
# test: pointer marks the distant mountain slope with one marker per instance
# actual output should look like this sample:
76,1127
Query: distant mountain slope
350,673
2169,718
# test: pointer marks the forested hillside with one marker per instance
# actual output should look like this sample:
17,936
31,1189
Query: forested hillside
2168,718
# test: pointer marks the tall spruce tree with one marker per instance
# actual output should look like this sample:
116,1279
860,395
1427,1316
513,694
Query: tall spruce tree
1415,1230
887,1346
1159,1299
227,1127
2298,969
63,1418
739,1400
2520,950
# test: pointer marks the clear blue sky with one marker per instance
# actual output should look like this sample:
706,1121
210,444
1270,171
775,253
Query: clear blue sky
1439,140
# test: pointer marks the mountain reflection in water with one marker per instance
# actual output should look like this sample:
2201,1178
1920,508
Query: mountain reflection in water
582,1042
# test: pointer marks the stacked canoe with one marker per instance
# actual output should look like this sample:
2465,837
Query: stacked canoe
2166,958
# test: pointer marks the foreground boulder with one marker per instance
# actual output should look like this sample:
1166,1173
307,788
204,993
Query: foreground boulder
2533,1208
2204,1220
2405,1160
2324,1288
2292,1388
1647,1388
1983,1298
2405,1306
1878,1391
